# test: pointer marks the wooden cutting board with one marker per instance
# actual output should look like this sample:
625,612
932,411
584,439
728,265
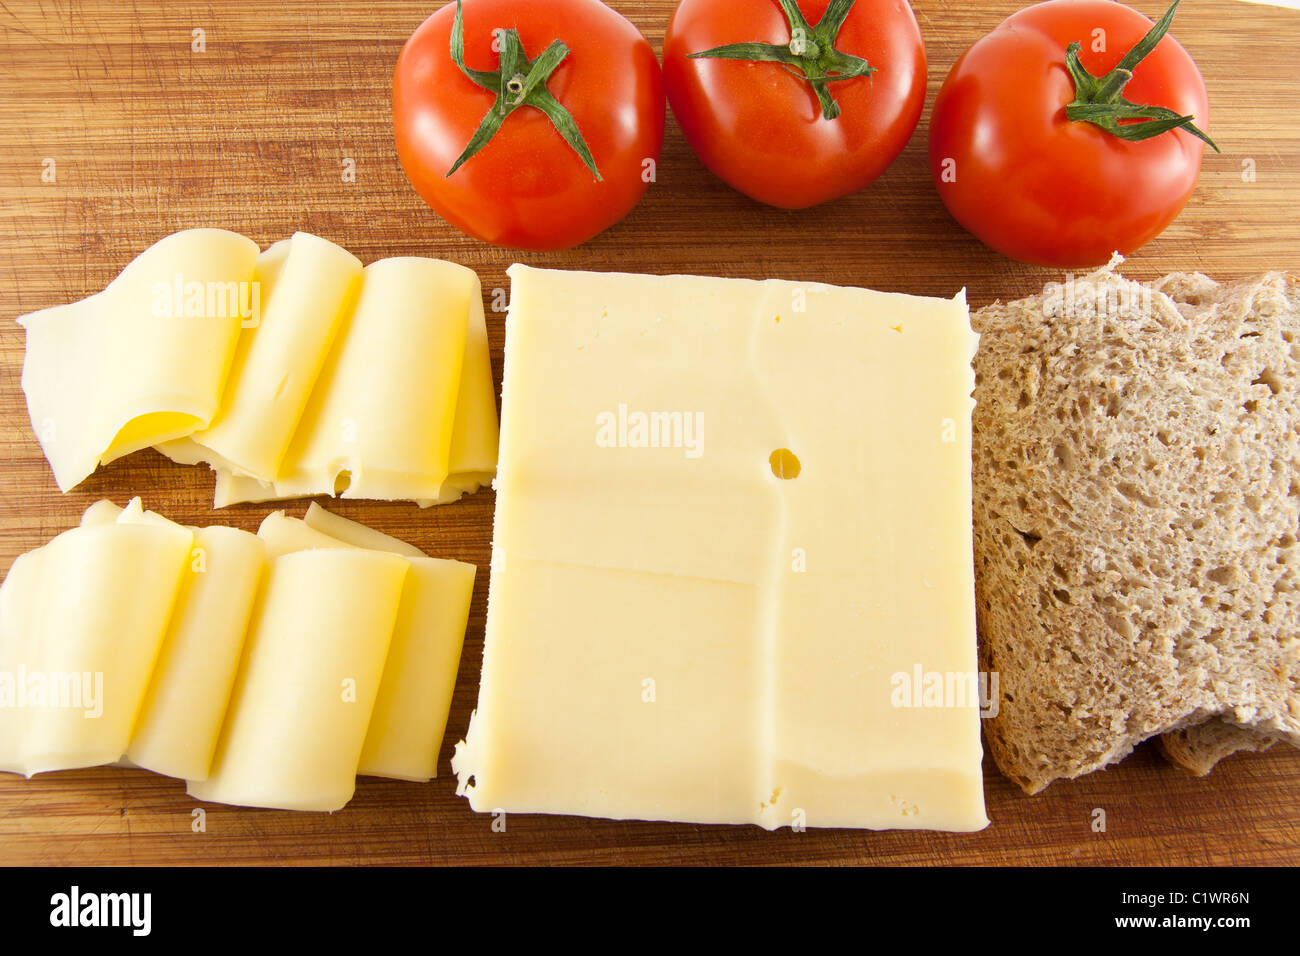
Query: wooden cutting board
147,136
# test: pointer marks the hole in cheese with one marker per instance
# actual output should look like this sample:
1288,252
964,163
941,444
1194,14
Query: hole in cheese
785,465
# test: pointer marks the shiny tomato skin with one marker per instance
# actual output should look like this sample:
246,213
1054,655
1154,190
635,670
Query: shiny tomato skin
528,189
1037,187
761,130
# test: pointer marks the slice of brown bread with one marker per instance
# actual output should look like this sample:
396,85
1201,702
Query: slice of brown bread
1137,507
1197,749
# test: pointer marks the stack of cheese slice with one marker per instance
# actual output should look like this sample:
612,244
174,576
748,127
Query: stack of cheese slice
733,534
293,373
267,670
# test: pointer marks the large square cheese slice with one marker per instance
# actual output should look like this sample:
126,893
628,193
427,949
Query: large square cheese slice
732,544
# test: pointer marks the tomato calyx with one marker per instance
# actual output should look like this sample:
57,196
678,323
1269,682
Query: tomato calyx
1100,100
517,81
810,54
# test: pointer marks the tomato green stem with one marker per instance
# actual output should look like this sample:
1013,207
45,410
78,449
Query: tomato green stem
1100,100
810,54
517,81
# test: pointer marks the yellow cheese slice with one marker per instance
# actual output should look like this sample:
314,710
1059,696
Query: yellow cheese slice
166,611
712,496
473,457
411,709
19,621
101,512
291,373
182,712
181,718
278,362
354,533
410,717
730,515
380,419
566,721
142,362
95,603
882,509
284,535
307,683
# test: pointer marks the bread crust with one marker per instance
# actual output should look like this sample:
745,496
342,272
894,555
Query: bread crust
1199,749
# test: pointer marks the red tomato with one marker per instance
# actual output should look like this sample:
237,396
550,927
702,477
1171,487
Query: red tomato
762,129
1037,186
528,188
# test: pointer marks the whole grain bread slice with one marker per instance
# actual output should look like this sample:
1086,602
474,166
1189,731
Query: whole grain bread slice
1137,508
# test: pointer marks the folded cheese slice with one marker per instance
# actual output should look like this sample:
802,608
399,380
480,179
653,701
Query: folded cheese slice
310,673
380,419
82,621
472,460
410,717
291,373
309,286
183,711
411,708
19,623
176,647
145,360
733,522
356,534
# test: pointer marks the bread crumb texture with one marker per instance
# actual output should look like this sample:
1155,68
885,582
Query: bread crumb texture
1136,508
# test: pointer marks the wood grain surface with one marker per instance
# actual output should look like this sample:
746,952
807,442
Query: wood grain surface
148,137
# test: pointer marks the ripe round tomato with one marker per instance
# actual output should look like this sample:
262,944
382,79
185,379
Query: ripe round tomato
762,129
528,188
1034,184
